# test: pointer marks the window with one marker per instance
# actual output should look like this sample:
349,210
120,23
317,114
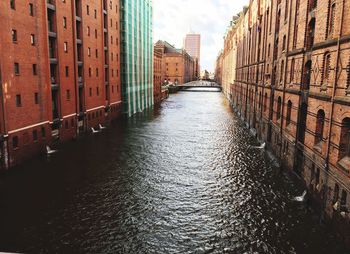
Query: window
265,102
90,72
90,91
15,142
292,69
14,35
89,52
289,112
35,135
95,14
331,19
279,106
97,91
88,31
326,67
64,22
43,132
286,10
65,47
96,72
96,33
96,53
282,71
319,126
67,71
13,4
284,43
36,98
16,67
32,39
344,146
18,100
68,94
87,10
31,9
34,70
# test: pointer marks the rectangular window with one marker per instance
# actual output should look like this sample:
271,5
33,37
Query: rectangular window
90,72
36,98
95,14
35,72
18,100
35,135
15,142
90,91
64,22
67,71
13,4
31,9
88,31
65,47
97,91
68,95
96,33
32,39
14,35
16,67
87,10
96,53
96,72
89,52
43,132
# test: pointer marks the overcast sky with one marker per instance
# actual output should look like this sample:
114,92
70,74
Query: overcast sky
173,19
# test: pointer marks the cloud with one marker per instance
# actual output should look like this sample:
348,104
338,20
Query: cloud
174,19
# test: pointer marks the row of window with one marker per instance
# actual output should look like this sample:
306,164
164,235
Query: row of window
26,138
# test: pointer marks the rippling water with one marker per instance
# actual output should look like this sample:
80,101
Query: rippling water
179,179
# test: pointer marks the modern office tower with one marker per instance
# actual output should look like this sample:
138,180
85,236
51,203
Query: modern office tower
192,45
136,55
59,72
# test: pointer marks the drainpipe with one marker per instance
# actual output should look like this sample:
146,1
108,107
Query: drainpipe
334,88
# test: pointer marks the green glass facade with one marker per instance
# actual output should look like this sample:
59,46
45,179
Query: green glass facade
136,55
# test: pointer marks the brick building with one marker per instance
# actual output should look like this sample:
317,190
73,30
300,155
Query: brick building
218,68
157,75
59,70
292,86
177,65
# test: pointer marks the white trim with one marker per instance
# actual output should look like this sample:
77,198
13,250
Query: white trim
92,109
113,103
28,127
67,116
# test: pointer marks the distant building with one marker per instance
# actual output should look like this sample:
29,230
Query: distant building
192,44
218,68
136,55
157,75
178,66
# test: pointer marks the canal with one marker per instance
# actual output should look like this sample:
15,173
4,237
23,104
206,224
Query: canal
178,179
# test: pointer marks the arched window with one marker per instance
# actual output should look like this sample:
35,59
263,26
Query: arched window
282,71
265,102
336,193
319,126
310,34
292,68
343,200
344,145
331,19
284,43
326,67
279,106
289,112
286,10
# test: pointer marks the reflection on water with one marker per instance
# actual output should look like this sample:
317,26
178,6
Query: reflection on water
179,179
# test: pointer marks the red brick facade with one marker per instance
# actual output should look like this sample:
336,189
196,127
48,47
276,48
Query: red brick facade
157,75
59,70
177,65
292,85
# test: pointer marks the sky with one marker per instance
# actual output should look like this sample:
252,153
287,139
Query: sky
173,19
